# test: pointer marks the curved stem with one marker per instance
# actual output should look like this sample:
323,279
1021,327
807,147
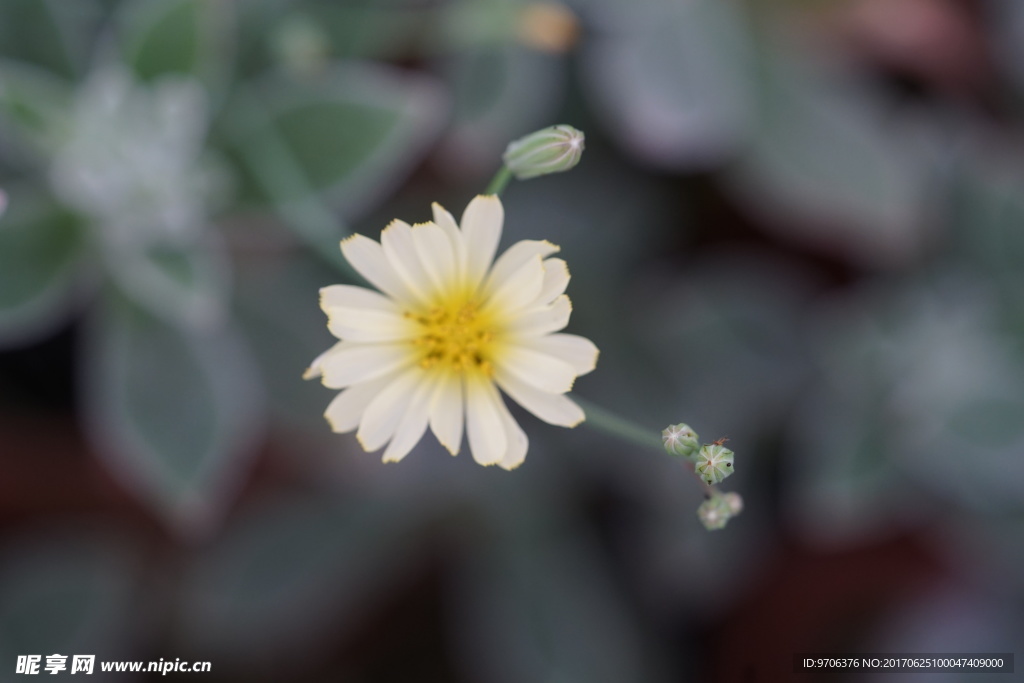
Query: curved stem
626,429
608,422
499,182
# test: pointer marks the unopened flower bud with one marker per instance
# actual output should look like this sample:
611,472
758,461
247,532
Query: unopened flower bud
714,463
714,513
680,440
551,150
734,501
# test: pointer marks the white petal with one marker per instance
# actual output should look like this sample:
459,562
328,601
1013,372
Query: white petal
345,411
368,258
361,325
556,279
554,409
358,314
350,296
316,368
446,222
400,250
481,230
579,352
385,411
444,219
447,412
437,254
412,424
540,370
347,364
517,289
518,444
540,321
484,426
514,258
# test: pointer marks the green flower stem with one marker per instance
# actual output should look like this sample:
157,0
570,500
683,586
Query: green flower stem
499,182
627,430
609,423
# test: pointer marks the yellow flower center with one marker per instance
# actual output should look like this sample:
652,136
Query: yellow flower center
456,337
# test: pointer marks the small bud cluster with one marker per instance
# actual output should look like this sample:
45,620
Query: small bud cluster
716,511
712,463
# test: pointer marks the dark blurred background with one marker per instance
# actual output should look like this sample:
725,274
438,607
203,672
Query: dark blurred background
797,223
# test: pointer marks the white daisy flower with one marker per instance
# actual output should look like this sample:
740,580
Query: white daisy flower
450,326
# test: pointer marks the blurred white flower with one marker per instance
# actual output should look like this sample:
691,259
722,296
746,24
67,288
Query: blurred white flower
132,158
448,329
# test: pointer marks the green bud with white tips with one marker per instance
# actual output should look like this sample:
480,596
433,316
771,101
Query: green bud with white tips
714,463
681,440
734,501
714,513
551,150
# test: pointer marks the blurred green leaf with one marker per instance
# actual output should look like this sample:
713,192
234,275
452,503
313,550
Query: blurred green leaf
546,610
673,80
64,592
256,21
960,394
996,546
278,308
500,92
466,24
1006,26
828,167
920,391
49,33
845,482
368,29
184,37
985,219
728,341
186,285
346,136
41,247
172,409
35,106
291,568
351,133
